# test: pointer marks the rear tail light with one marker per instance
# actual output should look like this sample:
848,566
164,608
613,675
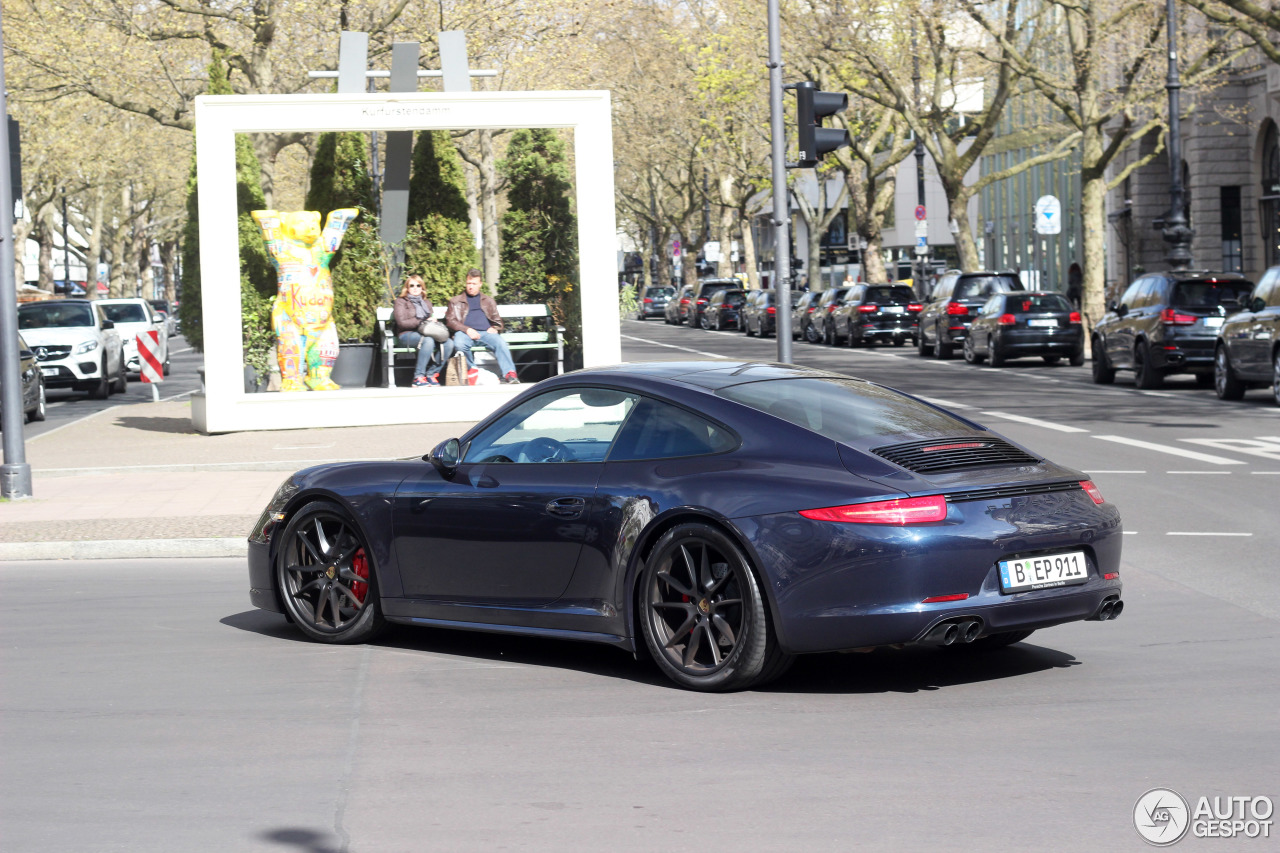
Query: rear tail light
771,310
915,306
831,309
899,511
1092,491
812,308
1172,318
702,300
955,308
934,599
1110,576
684,301
868,309
1074,318
1007,320
647,300
724,304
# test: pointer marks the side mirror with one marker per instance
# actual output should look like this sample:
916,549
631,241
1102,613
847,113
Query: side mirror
26,353
1121,310
1257,304
1114,306
108,324
445,457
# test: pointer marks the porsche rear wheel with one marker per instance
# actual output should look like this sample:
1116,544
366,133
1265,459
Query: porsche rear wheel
703,615
326,576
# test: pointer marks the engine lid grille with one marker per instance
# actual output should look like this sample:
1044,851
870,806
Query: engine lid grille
1011,492
950,454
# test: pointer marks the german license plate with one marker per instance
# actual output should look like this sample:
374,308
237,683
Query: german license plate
49,371
1043,572
1043,324
1213,322
892,309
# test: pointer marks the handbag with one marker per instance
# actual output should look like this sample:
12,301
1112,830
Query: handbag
433,329
455,372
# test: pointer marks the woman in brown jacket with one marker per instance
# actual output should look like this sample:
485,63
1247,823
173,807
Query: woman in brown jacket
411,310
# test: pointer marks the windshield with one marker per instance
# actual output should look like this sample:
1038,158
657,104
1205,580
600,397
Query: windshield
126,312
891,295
58,316
843,410
982,286
1207,295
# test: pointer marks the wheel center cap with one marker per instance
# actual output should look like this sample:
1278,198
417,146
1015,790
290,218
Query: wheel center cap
333,570
704,606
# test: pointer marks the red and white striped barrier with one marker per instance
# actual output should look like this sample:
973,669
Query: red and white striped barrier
149,359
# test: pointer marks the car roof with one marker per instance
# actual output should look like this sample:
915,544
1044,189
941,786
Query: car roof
706,374
117,300
57,302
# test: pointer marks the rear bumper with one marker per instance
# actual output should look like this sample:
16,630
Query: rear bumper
844,586
1022,342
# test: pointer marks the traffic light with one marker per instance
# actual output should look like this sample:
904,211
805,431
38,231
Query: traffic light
812,106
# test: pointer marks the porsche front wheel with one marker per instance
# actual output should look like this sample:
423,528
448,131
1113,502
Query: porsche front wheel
703,615
326,576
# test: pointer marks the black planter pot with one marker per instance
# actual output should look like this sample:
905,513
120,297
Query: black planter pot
355,364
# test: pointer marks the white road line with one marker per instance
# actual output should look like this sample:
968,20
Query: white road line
1197,472
1091,471
177,396
682,349
1034,422
946,404
78,420
1175,451
181,351
1202,533
1265,473
1130,532
1157,394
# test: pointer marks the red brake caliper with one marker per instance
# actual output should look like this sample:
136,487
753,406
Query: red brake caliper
360,565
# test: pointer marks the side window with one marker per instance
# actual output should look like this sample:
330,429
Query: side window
1130,298
1268,291
945,287
1157,293
661,431
993,306
568,425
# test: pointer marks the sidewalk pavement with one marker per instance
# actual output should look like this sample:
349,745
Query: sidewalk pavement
138,481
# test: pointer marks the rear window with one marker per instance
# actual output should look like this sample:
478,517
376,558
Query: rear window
1036,303
1208,295
843,410
982,286
890,295
129,312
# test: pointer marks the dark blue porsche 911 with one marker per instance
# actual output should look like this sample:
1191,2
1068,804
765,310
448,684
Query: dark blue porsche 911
722,517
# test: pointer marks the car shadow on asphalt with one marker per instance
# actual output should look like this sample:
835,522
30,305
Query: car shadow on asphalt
911,670
179,426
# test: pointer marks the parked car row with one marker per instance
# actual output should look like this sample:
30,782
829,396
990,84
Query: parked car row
1218,327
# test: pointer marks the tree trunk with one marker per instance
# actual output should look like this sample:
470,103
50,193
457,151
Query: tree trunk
120,271
97,215
142,251
966,246
873,268
1093,218
724,268
169,261
43,234
474,216
492,247
21,231
749,253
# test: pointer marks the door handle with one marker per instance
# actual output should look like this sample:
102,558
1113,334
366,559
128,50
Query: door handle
567,507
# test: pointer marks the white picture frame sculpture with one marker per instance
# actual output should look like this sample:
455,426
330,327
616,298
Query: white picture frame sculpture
224,406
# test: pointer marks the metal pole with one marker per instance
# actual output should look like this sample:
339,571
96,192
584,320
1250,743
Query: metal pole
66,246
1177,232
781,215
15,473
918,262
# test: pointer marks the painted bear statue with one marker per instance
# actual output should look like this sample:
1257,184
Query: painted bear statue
302,315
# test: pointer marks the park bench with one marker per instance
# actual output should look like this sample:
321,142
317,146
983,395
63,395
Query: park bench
535,341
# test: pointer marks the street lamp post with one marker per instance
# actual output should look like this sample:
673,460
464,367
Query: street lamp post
1176,232
919,262
781,213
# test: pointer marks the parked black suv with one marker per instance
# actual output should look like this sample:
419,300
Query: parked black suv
945,319
872,313
1247,353
724,309
821,320
1166,322
701,292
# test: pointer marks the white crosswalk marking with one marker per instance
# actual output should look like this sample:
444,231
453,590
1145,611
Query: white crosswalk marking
1268,447
1034,422
1174,451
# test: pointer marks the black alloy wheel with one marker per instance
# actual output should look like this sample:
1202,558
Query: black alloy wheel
746,327
122,378
829,333
923,349
1145,375
942,351
40,411
1077,358
1103,372
1051,359
969,355
326,576
993,350
703,615
1225,382
848,337
1275,376
101,389
166,358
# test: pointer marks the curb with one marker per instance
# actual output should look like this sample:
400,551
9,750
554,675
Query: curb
124,549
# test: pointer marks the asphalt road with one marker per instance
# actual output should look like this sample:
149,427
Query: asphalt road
145,706
65,405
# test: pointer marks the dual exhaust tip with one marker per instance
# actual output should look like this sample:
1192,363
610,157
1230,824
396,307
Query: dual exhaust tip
1110,609
949,633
